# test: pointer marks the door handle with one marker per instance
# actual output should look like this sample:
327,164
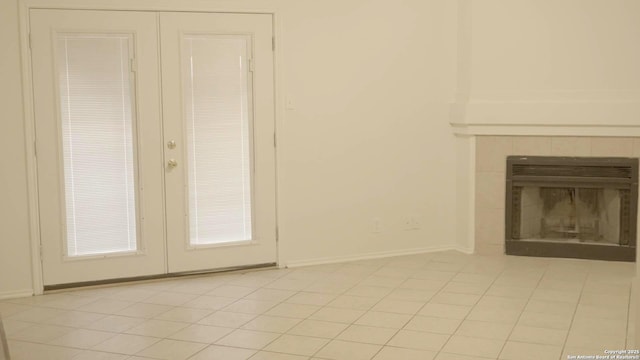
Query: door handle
172,163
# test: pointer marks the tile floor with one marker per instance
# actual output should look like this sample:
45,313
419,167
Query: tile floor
443,306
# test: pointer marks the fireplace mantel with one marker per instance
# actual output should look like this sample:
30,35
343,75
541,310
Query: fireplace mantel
613,117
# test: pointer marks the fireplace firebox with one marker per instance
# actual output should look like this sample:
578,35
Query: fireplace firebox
572,207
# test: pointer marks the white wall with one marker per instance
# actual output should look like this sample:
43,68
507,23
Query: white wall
531,49
15,261
370,81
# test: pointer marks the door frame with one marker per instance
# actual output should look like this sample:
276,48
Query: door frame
25,6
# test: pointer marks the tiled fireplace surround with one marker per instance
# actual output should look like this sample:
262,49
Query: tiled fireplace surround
490,173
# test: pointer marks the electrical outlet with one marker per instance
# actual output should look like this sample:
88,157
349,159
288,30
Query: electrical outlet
407,223
376,225
411,223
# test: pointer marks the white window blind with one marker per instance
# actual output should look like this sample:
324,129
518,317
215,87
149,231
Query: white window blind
215,73
98,146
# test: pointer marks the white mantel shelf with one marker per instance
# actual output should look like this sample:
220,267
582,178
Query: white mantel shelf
546,118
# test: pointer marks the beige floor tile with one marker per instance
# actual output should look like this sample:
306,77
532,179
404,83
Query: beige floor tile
510,291
587,339
485,330
157,328
550,307
445,311
126,344
31,351
434,275
494,315
298,311
398,306
75,319
248,339
455,299
353,302
99,355
231,291
227,319
82,338
367,334
315,328
271,324
289,284
142,310
473,346
411,295
250,306
343,350
37,314
535,335
395,353
169,298
419,340
297,345
602,312
523,351
115,323
266,355
184,314
542,320
270,295
105,306
215,352
383,281
40,333
556,295
172,350
383,319
369,291
310,298
422,284
209,302
201,333
465,288
449,356
433,324
346,316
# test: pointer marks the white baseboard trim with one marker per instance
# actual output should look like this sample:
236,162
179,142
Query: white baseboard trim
369,256
465,250
15,294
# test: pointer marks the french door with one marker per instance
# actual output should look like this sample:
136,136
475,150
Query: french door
154,138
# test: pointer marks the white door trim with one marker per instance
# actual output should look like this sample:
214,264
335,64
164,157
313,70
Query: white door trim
25,6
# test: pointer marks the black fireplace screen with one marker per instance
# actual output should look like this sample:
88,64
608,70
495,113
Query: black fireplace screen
572,207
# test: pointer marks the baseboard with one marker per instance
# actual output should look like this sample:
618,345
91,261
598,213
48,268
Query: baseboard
15,294
465,250
368,256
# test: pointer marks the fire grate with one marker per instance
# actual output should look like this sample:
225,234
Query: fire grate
574,207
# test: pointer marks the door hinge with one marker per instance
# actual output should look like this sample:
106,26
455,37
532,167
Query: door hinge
277,234
35,149
133,65
273,43
252,66
274,140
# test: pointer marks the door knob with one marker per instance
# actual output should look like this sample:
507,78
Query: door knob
171,144
172,163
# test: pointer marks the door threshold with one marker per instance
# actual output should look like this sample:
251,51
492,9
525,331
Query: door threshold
100,283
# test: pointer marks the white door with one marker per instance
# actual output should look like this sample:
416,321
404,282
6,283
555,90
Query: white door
99,143
218,105
134,183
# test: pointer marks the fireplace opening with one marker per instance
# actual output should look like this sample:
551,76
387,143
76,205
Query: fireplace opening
572,207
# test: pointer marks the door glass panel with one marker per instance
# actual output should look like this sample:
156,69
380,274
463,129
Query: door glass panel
97,139
217,105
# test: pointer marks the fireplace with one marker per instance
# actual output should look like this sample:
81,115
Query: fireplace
574,207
